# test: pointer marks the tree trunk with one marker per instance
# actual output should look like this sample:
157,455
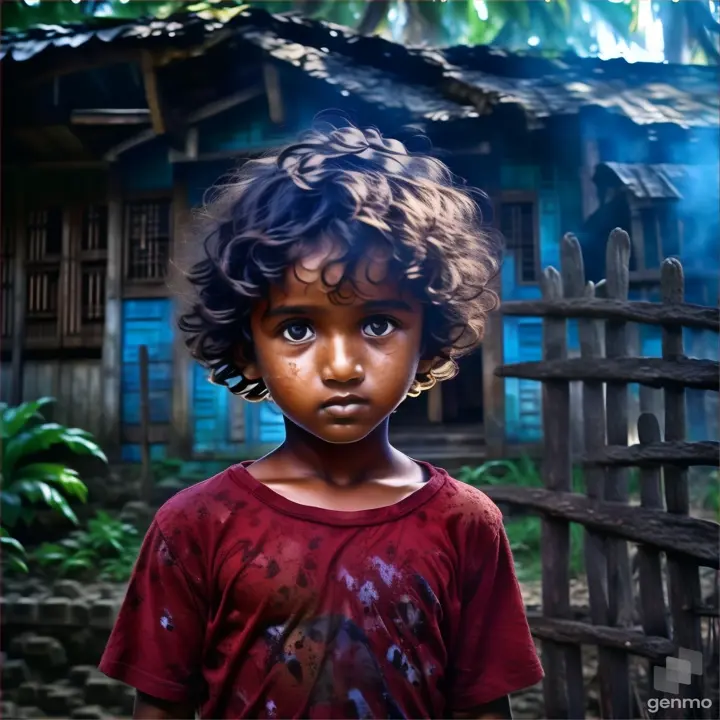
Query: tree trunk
374,14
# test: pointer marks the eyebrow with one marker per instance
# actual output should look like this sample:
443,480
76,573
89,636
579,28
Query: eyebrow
369,306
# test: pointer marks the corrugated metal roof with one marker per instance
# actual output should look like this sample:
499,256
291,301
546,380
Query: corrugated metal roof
652,182
435,84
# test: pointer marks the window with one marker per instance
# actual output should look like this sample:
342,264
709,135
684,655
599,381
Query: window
44,255
93,263
147,240
517,224
66,277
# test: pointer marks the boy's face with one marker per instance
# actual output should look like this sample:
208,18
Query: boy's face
337,367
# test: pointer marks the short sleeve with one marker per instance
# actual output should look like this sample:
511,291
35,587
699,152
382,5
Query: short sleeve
156,644
495,654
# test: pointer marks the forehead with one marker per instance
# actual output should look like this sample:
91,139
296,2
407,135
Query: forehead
317,272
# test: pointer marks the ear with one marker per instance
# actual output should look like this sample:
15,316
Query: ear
425,366
250,370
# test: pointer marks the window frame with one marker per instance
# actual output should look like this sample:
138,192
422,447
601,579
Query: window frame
145,287
516,197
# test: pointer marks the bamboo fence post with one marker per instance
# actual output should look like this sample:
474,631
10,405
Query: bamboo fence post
652,587
620,605
593,402
572,273
561,661
684,579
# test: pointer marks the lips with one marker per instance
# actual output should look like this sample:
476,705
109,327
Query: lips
344,401
344,407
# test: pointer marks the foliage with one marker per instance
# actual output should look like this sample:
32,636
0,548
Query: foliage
524,472
524,534
689,28
26,481
107,546
711,496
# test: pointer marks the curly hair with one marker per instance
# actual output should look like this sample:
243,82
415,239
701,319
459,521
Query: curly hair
357,188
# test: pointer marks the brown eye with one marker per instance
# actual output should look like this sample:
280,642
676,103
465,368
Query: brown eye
298,332
379,327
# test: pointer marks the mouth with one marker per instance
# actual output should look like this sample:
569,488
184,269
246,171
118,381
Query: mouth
344,405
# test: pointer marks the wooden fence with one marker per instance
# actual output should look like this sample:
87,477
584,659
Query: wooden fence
671,545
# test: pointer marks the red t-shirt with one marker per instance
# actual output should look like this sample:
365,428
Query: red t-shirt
253,606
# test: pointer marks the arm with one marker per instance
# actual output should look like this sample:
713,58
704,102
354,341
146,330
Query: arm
156,644
152,708
495,710
494,654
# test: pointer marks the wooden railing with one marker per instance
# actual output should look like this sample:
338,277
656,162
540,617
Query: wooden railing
661,524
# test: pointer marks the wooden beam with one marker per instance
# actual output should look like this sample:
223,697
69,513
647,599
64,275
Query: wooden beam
112,340
19,295
273,90
219,106
653,372
152,92
679,454
579,633
142,137
675,534
639,311
110,116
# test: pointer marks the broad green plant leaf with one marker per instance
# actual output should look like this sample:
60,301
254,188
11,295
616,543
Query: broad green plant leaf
14,419
61,475
36,491
29,442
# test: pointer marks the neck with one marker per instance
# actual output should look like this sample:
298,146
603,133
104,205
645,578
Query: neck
343,465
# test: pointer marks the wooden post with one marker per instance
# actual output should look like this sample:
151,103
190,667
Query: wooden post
620,602
493,386
684,590
112,339
434,407
590,160
181,427
593,399
19,296
571,283
560,661
144,369
652,590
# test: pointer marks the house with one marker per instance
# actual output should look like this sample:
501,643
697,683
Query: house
123,126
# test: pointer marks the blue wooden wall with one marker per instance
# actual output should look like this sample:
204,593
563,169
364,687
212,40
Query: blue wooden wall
146,322
522,337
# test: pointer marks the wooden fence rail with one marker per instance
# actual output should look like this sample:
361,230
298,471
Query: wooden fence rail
671,544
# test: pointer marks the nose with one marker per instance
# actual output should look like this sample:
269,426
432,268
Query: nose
342,363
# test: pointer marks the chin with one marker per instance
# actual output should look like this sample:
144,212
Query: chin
339,432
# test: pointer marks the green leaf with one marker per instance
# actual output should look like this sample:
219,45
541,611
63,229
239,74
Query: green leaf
66,478
10,507
36,490
11,544
83,446
31,441
14,419
15,564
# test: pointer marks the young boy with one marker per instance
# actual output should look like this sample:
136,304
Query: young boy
335,577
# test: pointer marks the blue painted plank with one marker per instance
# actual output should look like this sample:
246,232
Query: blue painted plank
523,398
146,322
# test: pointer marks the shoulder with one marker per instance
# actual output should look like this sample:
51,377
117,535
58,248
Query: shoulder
468,509
196,508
